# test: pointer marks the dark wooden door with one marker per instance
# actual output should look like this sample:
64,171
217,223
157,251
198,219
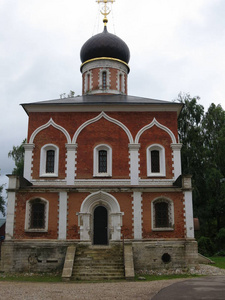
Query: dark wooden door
100,226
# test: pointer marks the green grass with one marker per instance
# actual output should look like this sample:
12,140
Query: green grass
164,277
30,277
219,261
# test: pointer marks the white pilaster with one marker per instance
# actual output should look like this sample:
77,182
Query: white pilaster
70,163
13,184
28,160
134,163
137,214
189,214
62,216
176,159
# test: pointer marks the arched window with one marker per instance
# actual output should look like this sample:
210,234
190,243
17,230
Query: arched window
102,161
49,161
156,161
88,82
36,215
162,214
120,82
104,80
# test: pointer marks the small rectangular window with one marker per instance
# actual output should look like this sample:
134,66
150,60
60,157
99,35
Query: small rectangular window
102,161
50,161
155,163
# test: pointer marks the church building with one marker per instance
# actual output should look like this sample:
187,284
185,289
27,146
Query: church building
102,172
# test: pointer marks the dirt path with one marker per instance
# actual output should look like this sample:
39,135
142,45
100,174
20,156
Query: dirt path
82,291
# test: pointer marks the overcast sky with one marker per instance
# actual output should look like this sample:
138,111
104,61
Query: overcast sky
176,46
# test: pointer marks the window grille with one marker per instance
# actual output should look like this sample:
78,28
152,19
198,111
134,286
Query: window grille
102,161
37,215
104,85
161,215
155,163
50,161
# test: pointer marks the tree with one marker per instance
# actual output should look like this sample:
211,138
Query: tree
2,202
17,154
203,138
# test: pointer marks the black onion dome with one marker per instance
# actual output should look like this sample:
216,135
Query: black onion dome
105,44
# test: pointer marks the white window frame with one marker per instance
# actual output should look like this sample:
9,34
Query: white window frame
121,85
43,158
96,172
88,77
162,171
28,213
170,214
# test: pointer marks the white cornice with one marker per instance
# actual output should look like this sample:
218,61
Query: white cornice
92,107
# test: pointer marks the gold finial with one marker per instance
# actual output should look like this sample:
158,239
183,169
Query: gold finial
105,10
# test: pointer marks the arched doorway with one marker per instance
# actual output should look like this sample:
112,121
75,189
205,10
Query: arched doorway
112,212
100,232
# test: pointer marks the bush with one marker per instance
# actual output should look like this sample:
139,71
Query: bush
205,246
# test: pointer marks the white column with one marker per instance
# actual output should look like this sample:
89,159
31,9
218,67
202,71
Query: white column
62,216
134,163
28,160
137,214
84,220
189,214
13,184
176,159
70,163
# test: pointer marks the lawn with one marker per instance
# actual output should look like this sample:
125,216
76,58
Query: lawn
219,261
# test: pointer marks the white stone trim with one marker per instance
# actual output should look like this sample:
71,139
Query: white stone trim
27,215
121,89
102,115
176,159
87,75
96,150
101,182
162,163
71,163
85,216
156,123
43,157
104,63
155,182
134,163
9,228
50,123
189,214
28,160
170,212
49,182
137,214
62,223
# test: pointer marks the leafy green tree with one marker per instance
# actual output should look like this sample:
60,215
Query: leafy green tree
17,154
203,138
2,202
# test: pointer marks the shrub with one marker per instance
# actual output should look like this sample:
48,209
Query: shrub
205,246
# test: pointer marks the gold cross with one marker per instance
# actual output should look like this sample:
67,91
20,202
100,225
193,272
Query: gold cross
105,10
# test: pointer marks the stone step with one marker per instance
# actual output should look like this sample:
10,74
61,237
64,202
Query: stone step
87,277
98,263
84,270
